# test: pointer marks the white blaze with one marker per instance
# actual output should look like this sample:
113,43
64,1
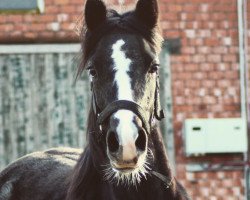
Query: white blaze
121,67
126,128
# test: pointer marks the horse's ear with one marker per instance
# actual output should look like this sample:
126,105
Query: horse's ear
147,11
95,13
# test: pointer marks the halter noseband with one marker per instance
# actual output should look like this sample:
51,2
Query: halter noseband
125,105
128,105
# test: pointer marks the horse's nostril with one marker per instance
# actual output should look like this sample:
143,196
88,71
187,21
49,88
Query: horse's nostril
135,160
112,142
141,140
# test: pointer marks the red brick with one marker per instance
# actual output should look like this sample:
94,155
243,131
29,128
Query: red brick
199,75
68,26
199,58
220,33
216,75
191,67
202,16
193,100
178,83
6,28
204,49
188,50
214,58
14,19
187,16
182,76
220,50
170,16
212,42
196,42
233,34
15,33
179,101
52,9
47,18
204,33
222,66
3,18
76,18
207,67
232,16
209,25
79,2
39,27
230,58
61,2
221,192
233,50
218,16
174,8
208,83
68,9
232,75
47,34
22,27
30,35
224,83
28,19
190,8
193,83
231,108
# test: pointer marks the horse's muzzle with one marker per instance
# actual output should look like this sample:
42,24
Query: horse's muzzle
125,145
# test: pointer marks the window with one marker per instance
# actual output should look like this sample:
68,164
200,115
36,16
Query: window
17,6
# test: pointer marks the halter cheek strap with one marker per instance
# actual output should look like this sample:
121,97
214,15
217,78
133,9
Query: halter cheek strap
158,112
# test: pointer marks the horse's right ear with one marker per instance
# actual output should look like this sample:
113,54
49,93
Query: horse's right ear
95,13
147,11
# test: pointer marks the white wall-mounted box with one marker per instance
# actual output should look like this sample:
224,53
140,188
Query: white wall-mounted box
221,135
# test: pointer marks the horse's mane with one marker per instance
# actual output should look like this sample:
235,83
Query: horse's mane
83,176
125,23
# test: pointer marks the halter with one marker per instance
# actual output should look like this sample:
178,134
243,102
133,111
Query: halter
101,116
168,182
113,107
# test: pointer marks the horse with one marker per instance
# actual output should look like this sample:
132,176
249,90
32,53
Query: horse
125,157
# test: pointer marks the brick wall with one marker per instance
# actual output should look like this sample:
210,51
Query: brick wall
205,84
205,76
57,24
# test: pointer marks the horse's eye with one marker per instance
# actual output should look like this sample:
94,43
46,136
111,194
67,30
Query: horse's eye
92,72
154,68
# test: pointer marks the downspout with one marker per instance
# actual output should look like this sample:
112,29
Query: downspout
241,7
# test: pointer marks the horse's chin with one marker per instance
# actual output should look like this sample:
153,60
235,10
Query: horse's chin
125,170
126,175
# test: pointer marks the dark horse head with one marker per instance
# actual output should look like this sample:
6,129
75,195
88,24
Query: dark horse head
121,55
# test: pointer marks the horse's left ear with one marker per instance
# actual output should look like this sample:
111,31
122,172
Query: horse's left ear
147,11
95,13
